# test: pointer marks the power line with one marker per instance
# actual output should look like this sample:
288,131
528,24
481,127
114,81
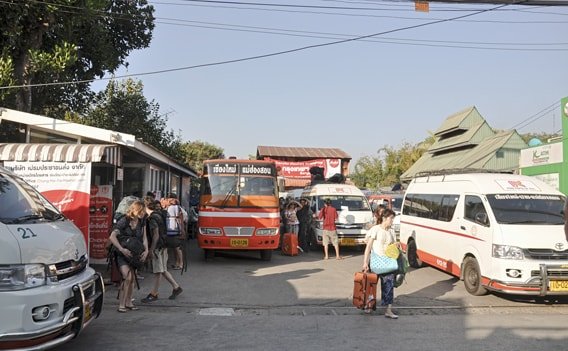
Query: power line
396,41
258,56
536,116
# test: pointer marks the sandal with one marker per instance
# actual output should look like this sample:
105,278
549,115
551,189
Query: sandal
132,308
122,310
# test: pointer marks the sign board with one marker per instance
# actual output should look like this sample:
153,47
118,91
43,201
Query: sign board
541,155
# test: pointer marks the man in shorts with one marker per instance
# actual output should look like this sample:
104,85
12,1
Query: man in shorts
329,216
158,254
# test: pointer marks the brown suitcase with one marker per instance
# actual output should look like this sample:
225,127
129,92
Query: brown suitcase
290,244
365,290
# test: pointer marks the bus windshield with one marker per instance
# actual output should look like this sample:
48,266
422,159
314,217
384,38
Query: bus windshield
239,189
527,208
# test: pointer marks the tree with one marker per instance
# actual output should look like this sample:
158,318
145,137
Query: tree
123,107
198,151
386,168
542,136
66,40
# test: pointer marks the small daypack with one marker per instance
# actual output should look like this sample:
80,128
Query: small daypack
166,240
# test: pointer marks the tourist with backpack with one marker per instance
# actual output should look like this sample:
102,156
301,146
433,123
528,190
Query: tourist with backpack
158,251
130,248
175,226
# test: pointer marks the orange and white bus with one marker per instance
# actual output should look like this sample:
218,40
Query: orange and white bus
239,207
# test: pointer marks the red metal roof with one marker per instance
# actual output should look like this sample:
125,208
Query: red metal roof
301,152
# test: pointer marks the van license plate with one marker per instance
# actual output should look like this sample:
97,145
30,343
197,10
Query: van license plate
559,285
239,242
348,242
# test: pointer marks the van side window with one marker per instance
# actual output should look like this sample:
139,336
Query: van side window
475,211
433,206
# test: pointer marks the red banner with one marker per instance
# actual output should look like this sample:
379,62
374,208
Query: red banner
301,169
100,221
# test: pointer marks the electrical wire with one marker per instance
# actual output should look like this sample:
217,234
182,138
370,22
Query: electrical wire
278,53
535,117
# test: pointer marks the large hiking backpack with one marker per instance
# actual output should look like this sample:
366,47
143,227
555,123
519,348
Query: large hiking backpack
128,239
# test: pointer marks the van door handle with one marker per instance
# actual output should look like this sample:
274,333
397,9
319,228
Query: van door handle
462,227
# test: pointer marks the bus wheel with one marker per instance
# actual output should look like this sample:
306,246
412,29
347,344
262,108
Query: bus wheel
208,254
266,255
413,260
472,277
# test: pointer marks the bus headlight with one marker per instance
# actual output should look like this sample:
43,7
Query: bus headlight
209,231
508,252
20,277
267,231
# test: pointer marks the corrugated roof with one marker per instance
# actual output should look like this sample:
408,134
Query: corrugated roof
470,158
301,152
457,141
453,121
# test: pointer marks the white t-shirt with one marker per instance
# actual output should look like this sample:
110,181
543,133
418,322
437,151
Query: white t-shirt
381,239
173,213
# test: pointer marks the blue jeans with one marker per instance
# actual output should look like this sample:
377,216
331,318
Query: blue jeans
387,289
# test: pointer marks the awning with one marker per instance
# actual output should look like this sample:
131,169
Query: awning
61,153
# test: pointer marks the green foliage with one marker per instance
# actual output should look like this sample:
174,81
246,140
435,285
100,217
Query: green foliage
542,136
198,151
66,40
385,169
123,107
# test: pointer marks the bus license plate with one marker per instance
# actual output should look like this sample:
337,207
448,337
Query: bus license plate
348,242
559,285
239,242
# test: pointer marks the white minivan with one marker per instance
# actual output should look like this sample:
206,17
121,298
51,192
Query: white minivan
352,207
48,292
496,231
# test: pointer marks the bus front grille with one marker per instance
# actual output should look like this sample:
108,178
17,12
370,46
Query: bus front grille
238,231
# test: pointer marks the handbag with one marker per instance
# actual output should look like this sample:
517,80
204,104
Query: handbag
392,251
382,264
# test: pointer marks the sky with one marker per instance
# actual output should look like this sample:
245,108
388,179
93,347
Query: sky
510,62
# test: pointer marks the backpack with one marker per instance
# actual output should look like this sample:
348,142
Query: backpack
166,241
128,239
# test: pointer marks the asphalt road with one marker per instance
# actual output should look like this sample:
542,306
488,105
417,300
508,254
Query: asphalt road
238,302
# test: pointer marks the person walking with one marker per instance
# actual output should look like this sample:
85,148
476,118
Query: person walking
158,252
305,216
378,238
131,225
329,216
175,226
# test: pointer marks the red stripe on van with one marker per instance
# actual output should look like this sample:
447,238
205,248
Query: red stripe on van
443,231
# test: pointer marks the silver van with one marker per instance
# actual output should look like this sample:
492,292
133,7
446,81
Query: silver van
48,292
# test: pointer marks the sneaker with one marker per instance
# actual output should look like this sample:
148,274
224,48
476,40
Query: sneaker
149,298
175,293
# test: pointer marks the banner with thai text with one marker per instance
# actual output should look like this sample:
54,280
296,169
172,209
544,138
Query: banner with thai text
100,221
65,184
301,169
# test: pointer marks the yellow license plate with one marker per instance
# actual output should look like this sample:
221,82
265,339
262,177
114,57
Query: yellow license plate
87,313
239,242
559,285
348,242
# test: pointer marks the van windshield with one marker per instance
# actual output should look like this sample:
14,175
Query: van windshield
527,208
20,202
352,203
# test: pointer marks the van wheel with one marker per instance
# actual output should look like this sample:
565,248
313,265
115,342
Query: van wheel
266,255
472,277
413,260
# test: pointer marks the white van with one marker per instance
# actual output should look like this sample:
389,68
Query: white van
500,232
48,292
352,207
